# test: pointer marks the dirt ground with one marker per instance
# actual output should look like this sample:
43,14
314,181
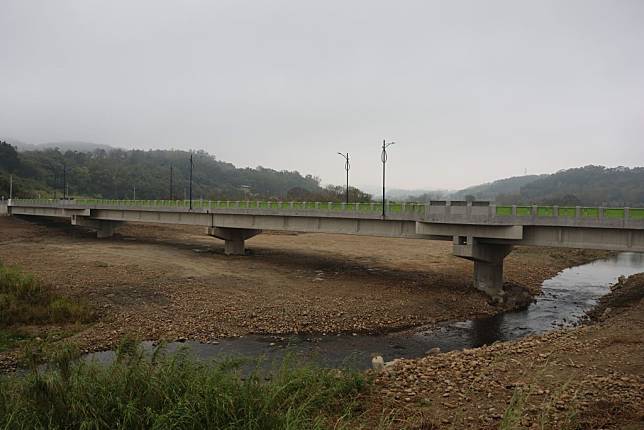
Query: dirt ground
169,282
590,377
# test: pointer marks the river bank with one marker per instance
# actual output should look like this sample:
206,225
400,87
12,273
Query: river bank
160,282
563,302
587,377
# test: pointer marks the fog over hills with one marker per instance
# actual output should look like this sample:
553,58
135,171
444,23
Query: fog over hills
79,146
490,190
102,170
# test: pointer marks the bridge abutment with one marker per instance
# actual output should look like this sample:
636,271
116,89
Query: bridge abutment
488,263
234,238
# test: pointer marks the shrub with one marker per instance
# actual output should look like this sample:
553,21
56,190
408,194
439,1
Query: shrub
25,300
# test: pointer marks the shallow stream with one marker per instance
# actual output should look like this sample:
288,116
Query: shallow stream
564,300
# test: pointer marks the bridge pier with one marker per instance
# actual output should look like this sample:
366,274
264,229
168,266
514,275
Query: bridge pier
488,263
104,229
234,238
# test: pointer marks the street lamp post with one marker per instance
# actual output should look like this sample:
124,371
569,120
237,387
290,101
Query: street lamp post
191,181
64,181
171,184
347,166
246,191
383,157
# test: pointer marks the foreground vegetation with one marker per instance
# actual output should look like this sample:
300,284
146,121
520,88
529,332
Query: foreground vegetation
24,300
141,391
163,391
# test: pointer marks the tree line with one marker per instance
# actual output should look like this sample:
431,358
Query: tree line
153,174
584,186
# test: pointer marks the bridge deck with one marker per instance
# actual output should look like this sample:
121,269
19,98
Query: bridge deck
434,212
482,232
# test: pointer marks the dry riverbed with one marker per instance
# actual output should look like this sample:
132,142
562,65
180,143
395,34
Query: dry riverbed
168,282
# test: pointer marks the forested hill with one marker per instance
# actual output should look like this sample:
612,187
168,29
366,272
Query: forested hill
113,174
490,190
589,185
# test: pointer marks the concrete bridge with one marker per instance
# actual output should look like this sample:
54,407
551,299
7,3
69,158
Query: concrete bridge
482,232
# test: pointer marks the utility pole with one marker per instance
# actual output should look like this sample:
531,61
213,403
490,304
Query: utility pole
383,157
171,185
10,187
134,192
191,181
346,167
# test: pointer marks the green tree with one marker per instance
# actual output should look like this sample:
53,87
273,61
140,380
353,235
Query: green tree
8,157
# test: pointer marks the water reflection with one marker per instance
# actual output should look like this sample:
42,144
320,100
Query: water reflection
485,331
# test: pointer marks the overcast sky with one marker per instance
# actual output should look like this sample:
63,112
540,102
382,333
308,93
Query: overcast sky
471,91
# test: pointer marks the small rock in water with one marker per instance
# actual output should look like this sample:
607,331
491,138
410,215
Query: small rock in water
378,363
607,312
433,351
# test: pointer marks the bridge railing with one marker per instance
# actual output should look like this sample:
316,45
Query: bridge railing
417,210
390,207
570,212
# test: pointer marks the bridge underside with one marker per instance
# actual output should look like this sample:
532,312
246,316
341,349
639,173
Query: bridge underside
484,244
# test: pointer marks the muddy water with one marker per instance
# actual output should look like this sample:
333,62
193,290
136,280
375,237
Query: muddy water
564,300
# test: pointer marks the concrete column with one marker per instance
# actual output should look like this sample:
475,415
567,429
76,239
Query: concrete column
234,238
488,277
234,247
488,264
104,229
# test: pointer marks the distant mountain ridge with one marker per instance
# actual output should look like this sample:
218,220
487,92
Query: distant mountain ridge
401,193
588,185
490,190
123,174
101,170
79,146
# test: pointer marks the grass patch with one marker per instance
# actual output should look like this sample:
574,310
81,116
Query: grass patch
176,391
556,412
24,300
10,338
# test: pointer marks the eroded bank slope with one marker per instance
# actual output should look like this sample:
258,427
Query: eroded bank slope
589,377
